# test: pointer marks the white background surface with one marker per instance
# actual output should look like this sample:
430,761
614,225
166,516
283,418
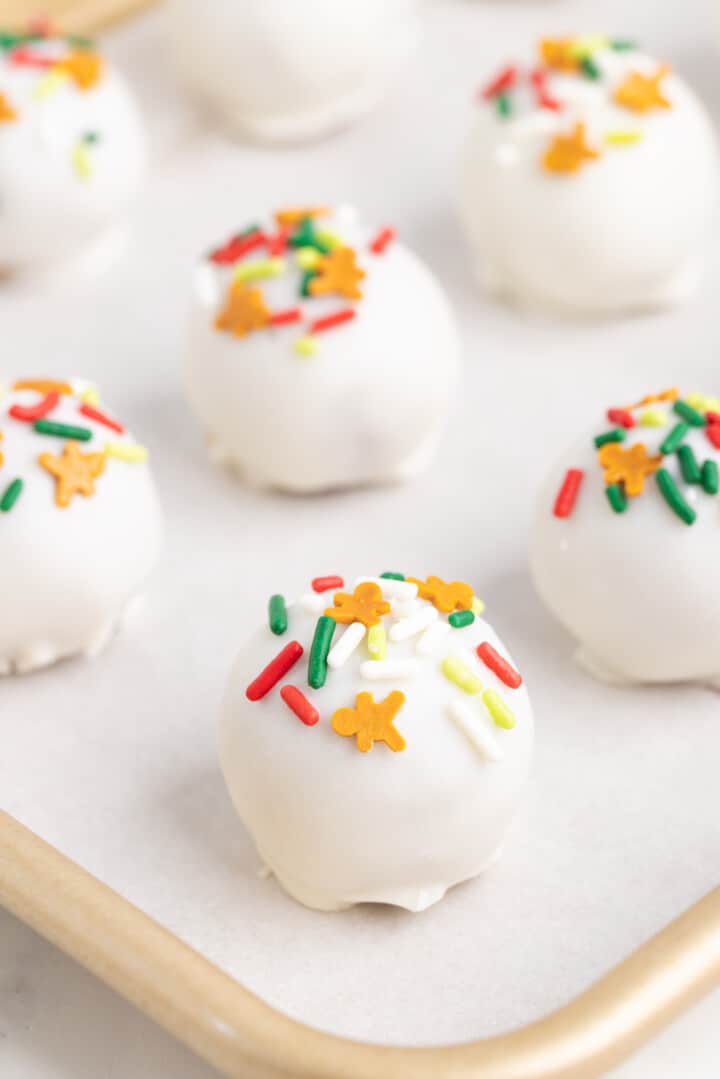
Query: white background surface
114,761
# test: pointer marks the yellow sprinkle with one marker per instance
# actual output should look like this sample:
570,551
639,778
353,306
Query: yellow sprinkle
501,714
307,258
81,161
703,403
126,451
454,669
587,45
330,239
306,346
261,268
623,138
377,641
90,396
478,607
653,417
49,83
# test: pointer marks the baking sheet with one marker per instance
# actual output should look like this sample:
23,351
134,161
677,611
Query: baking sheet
114,761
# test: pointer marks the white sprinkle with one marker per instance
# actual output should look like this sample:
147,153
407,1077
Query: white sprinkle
432,637
391,588
313,603
341,652
475,730
375,669
410,627
405,609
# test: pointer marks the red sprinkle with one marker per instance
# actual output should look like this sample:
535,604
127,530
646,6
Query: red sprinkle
275,670
621,417
382,240
30,413
504,81
713,432
100,417
236,247
277,244
298,703
565,501
324,584
25,58
544,98
499,666
281,318
327,323
712,417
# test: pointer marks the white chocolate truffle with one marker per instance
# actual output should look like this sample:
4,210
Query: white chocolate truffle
284,72
80,526
322,354
590,181
380,759
625,539
72,148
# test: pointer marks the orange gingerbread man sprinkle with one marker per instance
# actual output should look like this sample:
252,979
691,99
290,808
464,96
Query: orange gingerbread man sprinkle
371,722
641,93
84,68
339,273
365,605
568,153
295,215
7,112
244,310
558,52
655,398
630,467
75,472
447,596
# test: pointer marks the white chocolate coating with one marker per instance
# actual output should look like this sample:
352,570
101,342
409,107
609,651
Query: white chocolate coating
368,407
283,72
640,590
338,826
626,231
50,209
68,574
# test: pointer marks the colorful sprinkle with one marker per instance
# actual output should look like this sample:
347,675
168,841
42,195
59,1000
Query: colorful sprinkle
324,584
30,413
377,642
653,417
502,715
710,477
382,240
10,495
673,497
260,269
689,414
617,435
621,417
306,346
616,497
298,703
43,385
277,615
410,627
81,161
475,731
275,670
590,68
283,318
93,413
392,587
366,605
568,493
237,246
390,576
713,433
498,665
503,106
447,596
675,439
460,674
344,648
371,722
63,430
506,80
688,465
131,452
460,619
322,639
478,607
74,472
623,138
328,322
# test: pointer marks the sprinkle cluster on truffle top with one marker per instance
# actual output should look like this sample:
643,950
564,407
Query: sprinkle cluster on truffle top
299,243
35,403
569,147
378,613
58,64
628,470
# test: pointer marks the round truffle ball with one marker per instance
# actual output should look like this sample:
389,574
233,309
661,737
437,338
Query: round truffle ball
80,526
322,354
590,180
72,148
624,542
284,72
375,741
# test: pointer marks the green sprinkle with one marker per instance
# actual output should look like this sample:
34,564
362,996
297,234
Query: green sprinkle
618,435
10,496
674,440
616,497
80,42
388,576
305,282
91,138
621,45
689,414
317,665
688,465
710,481
503,105
670,492
63,430
502,715
458,619
590,68
306,236
277,613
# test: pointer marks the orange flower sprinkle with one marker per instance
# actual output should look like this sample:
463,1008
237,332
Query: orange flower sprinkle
371,722
7,112
339,273
446,596
244,310
628,466
365,605
568,153
641,93
558,52
75,472
84,68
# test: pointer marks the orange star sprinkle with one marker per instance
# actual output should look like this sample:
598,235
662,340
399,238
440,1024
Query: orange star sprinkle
641,93
244,310
365,605
446,596
371,722
75,472
84,68
7,112
630,467
338,272
558,52
567,153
